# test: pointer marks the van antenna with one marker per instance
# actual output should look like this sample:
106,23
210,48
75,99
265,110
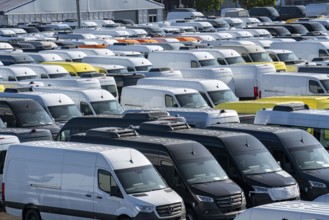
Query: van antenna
247,145
193,153
301,137
59,98
131,158
102,95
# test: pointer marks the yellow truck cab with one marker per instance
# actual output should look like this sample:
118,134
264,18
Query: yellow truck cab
256,55
74,68
314,102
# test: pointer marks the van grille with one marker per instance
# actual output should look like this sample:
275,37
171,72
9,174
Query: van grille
229,203
169,210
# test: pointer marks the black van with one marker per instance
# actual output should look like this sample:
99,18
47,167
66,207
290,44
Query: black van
292,11
15,58
243,157
26,113
270,12
298,152
187,166
84,123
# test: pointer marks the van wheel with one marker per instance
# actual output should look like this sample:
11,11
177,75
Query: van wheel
125,218
32,214
190,214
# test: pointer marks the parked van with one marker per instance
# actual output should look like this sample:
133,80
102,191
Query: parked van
46,71
82,124
317,9
74,68
163,72
292,12
108,178
152,96
15,58
26,134
67,55
182,59
213,91
133,64
288,57
243,157
10,73
60,107
255,54
293,210
223,74
295,156
26,113
6,141
183,13
306,50
86,83
88,101
144,49
224,56
270,12
180,169
296,115
292,83
47,57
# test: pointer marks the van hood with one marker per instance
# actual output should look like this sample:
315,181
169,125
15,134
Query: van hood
217,189
157,197
275,179
53,128
321,174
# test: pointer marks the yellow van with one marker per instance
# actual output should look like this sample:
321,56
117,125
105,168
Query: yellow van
250,107
74,68
314,102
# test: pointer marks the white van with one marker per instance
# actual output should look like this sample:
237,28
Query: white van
9,73
94,51
290,210
184,13
60,107
88,101
223,74
306,50
133,64
182,59
144,49
86,83
46,71
224,56
88,181
67,55
292,83
46,57
213,91
317,9
6,141
149,96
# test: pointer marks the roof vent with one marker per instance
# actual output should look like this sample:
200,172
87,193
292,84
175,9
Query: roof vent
111,132
163,126
290,107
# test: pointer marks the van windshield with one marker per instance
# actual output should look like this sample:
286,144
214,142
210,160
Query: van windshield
111,88
202,170
256,162
87,73
20,78
191,100
234,60
287,57
325,84
221,96
62,113
32,119
59,75
310,157
143,68
260,57
140,179
210,62
108,107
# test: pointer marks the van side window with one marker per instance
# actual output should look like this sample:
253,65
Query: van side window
205,97
322,53
194,64
315,87
107,183
246,57
169,173
282,158
221,61
2,160
130,69
273,57
7,116
170,101
85,109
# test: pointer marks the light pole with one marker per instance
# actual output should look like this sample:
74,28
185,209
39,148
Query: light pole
78,13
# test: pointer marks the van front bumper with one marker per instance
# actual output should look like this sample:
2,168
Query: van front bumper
153,216
263,198
210,211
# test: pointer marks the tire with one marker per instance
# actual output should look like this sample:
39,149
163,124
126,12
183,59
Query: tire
32,214
125,218
190,215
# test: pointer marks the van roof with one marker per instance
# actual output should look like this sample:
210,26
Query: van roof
118,157
162,88
318,76
18,71
8,139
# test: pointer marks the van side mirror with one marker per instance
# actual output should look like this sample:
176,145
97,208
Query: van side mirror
115,191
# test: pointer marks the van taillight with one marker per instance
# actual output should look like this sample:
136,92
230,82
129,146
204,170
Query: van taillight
255,91
3,191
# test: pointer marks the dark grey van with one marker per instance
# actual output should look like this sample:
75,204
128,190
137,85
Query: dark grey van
15,58
188,168
26,113
298,152
270,12
244,158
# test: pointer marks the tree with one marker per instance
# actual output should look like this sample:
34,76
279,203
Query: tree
207,5
255,3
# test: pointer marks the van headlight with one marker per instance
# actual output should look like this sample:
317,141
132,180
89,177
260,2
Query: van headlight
144,208
317,184
283,193
259,189
204,198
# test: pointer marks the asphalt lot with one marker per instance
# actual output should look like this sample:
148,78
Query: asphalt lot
4,216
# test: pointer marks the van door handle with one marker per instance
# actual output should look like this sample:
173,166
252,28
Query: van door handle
88,195
99,197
